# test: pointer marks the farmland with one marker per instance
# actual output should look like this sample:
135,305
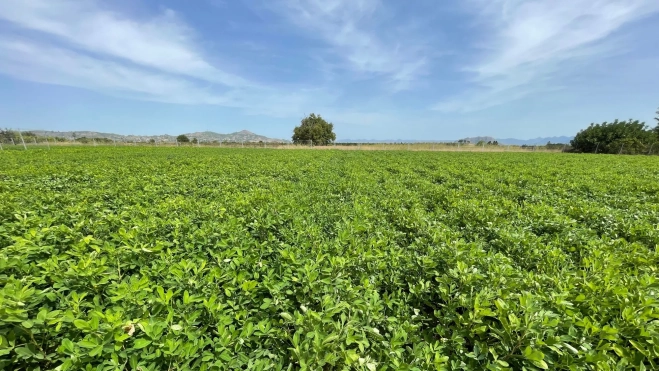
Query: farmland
215,258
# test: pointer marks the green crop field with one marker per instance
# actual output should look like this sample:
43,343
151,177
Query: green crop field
207,258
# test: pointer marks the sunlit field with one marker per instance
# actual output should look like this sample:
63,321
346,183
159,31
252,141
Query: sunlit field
157,258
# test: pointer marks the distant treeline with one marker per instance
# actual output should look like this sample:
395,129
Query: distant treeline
7,135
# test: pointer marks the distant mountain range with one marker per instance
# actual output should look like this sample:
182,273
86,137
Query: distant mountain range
513,141
248,136
541,140
204,136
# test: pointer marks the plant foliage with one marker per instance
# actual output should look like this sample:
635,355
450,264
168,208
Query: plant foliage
632,137
137,258
314,129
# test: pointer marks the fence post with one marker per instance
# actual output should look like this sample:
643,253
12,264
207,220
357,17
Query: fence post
21,135
596,147
48,144
12,142
620,152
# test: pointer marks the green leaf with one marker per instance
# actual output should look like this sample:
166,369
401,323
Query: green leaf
141,343
24,352
541,364
82,325
43,315
132,361
87,344
330,338
533,355
96,351
68,345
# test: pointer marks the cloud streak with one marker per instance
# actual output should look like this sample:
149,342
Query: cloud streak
535,41
355,35
162,42
154,59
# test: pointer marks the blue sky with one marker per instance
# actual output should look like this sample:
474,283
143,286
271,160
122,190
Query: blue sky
377,69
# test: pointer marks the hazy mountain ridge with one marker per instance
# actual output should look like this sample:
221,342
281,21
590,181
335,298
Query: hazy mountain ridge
248,136
520,142
204,136
540,140
473,140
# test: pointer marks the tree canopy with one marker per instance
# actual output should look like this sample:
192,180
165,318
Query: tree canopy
315,129
630,136
182,139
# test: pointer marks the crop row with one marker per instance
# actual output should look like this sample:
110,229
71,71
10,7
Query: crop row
186,258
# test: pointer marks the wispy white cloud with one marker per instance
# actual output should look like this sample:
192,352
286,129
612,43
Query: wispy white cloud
154,59
162,42
527,44
52,65
356,36
41,63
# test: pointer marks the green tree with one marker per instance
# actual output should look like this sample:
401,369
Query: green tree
195,141
314,128
7,135
630,136
182,139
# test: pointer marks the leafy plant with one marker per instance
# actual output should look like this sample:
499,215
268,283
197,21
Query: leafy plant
314,129
185,258
631,136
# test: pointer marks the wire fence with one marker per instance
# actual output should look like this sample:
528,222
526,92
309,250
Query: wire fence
25,140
